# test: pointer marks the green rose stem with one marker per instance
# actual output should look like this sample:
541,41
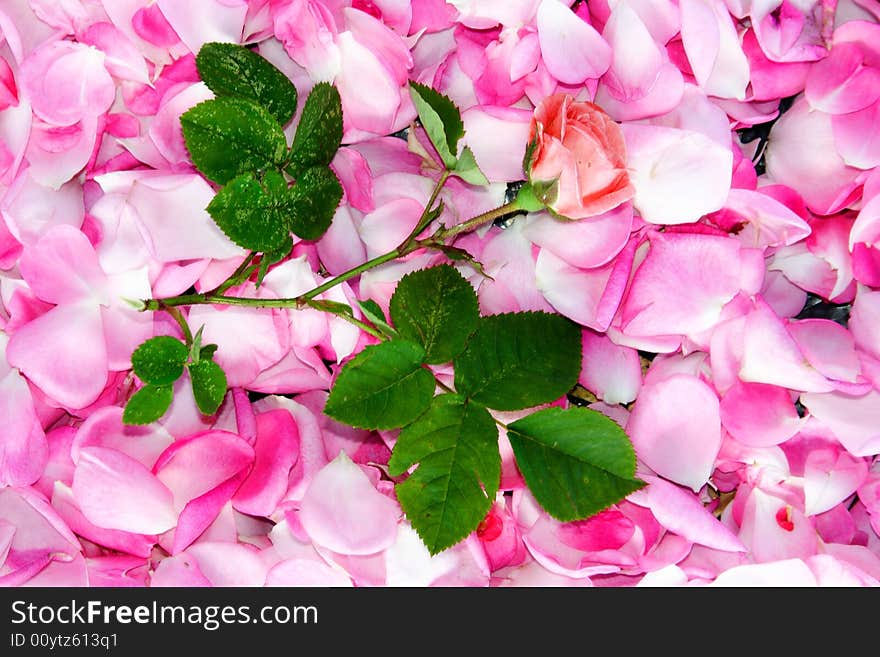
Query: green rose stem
524,201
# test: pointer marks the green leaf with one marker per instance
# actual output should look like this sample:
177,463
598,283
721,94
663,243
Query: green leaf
575,461
230,136
467,169
437,308
148,404
208,385
316,196
455,443
441,120
456,254
383,387
373,313
207,352
232,70
319,131
519,360
159,360
254,214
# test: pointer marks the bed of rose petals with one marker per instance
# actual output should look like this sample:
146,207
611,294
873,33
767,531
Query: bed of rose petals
756,424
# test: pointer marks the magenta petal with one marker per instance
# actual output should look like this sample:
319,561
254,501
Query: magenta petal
275,452
841,83
343,512
116,492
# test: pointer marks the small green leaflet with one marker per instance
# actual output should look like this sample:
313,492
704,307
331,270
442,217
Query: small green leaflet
208,385
232,70
437,308
575,461
373,313
383,387
319,131
148,404
455,444
441,120
159,360
519,360
467,169
230,136
252,214
315,197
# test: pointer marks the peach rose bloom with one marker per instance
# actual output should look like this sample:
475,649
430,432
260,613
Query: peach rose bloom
577,158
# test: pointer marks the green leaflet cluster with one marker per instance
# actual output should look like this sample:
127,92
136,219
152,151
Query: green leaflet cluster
159,363
575,461
237,140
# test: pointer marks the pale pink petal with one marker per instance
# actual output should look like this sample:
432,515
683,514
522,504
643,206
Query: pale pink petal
178,571
811,167
354,173
830,478
774,530
517,288
66,81
787,573
165,203
105,428
23,448
200,21
31,209
679,175
308,31
767,221
681,512
685,281
498,136
713,48
610,371
275,452
572,49
116,492
57,154
770,355
121,57
195,465
243,354
854,420
63,353
636,59
585,243
343,512
64,502
370,95
675,428
665,94
758,414
62,267
165,130
381,40
408,563
304,572
857,136
341,247
587,296
841,83
864,319
828,347
229,564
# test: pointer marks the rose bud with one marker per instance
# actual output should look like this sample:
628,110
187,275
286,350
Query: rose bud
576,158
